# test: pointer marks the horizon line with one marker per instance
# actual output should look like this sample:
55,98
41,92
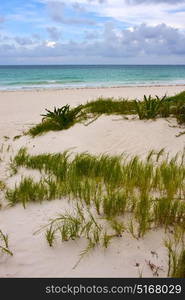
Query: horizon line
7,65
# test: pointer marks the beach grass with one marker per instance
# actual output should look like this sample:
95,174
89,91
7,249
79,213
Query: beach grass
110,195
4,244
110,106
72,226
27,191
152,190
148,108
177,107
176,259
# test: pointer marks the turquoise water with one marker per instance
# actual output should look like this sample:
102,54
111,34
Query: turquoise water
29,77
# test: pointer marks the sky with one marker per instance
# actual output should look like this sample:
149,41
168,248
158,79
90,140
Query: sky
92,32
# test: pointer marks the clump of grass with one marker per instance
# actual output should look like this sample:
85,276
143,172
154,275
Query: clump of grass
152,190
58,119
4,245
19,159
72,226
66,226
42,128
150,107
27,191
49,163
176,259
110,106
80,224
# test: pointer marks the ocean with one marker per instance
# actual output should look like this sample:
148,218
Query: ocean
72,76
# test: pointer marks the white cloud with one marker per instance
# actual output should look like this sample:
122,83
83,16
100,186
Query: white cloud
149,13
133,12
142,42
50,44
56,10
149,32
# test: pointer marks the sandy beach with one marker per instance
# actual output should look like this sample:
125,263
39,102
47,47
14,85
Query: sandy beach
126,257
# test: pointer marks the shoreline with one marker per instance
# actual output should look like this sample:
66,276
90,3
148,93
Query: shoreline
38,89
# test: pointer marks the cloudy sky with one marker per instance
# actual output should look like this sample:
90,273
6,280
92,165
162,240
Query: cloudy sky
92,32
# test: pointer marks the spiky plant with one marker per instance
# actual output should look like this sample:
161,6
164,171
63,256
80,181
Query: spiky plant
150,107
63,117
4,245
58,119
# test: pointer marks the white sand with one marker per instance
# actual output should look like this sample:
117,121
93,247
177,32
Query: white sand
114,135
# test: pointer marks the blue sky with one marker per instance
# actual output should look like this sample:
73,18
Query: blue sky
92,32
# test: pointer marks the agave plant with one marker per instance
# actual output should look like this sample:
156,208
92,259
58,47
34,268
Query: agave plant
150,107
63,117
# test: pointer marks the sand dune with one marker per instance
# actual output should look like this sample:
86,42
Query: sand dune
108,134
